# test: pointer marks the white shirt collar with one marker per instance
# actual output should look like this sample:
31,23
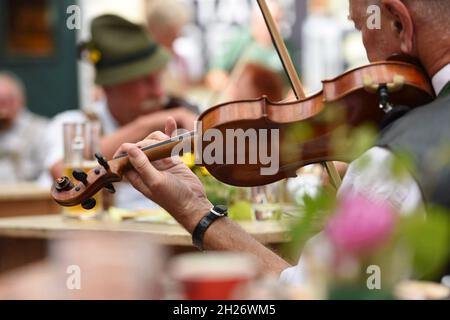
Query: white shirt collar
441,78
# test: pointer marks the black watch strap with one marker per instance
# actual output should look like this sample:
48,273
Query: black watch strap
215,213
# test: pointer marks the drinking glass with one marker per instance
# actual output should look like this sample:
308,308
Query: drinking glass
81,142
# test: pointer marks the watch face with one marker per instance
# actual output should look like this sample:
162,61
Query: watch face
220,209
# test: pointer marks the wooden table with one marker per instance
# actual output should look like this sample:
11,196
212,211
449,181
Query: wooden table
53,226
24,239
26,199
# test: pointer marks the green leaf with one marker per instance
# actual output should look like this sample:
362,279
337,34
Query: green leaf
314,214
427,239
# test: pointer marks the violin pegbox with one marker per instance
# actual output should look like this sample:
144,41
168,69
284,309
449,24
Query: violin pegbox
104,163
65,193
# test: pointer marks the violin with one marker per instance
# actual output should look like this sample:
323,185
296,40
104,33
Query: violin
357,97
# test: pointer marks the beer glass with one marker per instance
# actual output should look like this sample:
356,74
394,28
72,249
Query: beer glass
81,142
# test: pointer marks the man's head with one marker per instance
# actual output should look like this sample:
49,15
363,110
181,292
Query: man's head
416,28
131,99
166,19
318,7
12,99
255,81
128,66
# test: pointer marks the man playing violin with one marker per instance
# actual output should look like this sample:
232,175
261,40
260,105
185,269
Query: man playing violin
410,27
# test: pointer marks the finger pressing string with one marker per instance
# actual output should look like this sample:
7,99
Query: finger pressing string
122,149
171,126
157,135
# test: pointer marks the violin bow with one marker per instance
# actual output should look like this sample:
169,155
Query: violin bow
293,77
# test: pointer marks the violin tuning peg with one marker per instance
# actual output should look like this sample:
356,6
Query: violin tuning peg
63,184
110,188
102,161
80,176
88,204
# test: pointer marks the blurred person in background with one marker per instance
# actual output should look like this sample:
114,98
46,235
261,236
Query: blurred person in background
243,46
255,81
322,56
21,151
129,67
166,20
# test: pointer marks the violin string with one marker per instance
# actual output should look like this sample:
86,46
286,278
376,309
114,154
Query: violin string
160,144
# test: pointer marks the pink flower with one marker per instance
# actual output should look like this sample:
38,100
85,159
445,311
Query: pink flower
360,225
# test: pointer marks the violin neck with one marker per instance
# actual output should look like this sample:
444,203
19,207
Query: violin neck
158,151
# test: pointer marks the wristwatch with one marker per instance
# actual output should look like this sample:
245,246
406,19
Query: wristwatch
214,214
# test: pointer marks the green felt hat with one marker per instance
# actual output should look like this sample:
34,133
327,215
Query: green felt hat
122,51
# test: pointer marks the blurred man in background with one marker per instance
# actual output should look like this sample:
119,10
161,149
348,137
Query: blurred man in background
166,20
254,82
129,67
21,151
244,46
322,36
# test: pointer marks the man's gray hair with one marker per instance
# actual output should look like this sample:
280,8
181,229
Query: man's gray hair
167,13
424,8
432,11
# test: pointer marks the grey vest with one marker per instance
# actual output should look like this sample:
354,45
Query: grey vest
424,134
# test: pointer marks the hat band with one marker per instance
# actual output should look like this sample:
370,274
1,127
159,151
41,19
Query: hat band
126,59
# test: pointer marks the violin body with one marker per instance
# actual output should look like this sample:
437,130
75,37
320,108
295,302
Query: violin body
346,102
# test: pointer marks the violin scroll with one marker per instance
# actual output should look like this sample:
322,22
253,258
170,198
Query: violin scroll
65,193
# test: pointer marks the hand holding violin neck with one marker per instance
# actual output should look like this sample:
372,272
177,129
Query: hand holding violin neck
154,152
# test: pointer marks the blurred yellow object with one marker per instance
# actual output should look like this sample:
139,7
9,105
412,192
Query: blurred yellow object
241,211
94,56
205,171
119,214
188,159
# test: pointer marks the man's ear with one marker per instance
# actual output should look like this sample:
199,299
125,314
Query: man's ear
402,23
